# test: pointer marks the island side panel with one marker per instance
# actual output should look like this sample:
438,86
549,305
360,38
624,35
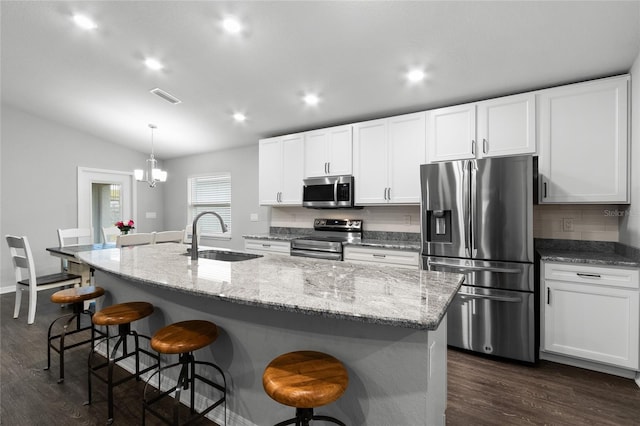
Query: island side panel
389,367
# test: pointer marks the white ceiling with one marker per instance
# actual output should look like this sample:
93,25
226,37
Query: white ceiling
354,54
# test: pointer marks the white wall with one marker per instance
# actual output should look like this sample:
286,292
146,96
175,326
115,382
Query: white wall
630,223
38,183
242,163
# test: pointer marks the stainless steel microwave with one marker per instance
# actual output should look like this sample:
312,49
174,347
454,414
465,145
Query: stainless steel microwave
330,192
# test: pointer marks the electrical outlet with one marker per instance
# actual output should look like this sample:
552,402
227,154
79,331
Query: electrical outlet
407,219
254,217
567,225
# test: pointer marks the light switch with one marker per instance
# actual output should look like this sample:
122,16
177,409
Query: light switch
150,215
254,217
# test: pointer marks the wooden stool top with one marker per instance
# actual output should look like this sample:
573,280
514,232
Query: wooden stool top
77,294
183,337
305,379
122,313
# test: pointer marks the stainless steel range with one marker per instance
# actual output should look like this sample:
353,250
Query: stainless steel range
328,237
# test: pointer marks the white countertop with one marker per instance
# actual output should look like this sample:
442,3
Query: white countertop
383,295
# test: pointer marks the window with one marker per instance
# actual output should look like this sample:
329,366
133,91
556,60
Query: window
210,193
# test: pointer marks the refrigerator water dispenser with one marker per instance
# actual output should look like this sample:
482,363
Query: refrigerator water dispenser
439,226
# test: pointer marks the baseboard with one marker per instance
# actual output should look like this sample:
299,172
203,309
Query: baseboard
8,289
590,365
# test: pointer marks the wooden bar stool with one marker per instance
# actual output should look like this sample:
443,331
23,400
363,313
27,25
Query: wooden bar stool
75,297
122,315
305,380
183,338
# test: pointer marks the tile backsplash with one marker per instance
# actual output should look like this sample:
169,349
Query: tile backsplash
588,221
577,221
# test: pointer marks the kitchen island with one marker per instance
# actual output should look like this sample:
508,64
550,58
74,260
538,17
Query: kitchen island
385,324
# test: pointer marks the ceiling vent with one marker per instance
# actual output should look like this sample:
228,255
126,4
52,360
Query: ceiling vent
166,96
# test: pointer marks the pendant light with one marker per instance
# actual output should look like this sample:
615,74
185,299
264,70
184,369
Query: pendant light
152,174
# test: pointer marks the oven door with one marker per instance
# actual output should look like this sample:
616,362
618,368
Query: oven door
495,322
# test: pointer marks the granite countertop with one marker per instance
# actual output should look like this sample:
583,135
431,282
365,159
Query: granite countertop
369,293
587,257
368,242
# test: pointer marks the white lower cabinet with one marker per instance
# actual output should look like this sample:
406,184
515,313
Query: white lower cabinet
591,313
408,259
267,246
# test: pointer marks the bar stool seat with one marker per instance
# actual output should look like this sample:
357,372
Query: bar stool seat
182,338
121,315
75,297
305,380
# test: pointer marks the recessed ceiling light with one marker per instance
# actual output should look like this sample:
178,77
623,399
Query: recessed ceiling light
153,64
232,25
415,75
239,117
311,99
84,22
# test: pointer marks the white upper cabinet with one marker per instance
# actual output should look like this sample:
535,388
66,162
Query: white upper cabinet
583,131
328,152
281,170
507,126
494,128
452,133
387,155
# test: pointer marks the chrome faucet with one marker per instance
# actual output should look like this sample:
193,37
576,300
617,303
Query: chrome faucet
194,232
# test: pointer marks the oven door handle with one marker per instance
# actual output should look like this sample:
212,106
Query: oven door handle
487,297
316,254
463,268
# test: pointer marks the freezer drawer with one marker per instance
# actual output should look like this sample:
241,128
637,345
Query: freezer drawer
495,322
483,273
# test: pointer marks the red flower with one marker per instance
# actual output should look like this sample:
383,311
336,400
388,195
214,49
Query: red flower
125,226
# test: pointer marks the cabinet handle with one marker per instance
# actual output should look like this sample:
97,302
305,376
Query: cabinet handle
382,256
385,193
544,194
548,296
585,275
389,194
484,146
266,245
329,168
325,168
473,147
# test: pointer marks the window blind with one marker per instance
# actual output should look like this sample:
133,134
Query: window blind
211,193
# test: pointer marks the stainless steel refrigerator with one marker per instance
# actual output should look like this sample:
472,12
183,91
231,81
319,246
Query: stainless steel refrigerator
477,219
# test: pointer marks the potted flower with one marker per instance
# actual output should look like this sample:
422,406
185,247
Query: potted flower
125,227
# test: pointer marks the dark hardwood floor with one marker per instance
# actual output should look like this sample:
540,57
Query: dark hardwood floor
482,391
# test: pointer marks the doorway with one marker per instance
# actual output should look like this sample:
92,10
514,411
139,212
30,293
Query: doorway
104,197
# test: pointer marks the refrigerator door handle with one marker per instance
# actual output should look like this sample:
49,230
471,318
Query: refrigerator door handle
474,200
466,206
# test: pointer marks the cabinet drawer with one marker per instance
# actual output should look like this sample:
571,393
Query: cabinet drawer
261,246
588,274
384,256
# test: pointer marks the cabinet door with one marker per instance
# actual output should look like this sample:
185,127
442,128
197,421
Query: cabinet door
591,322
407,151
370,162
328,152
269,171
451,133
340,151
315,153
583,142
292,170
506,126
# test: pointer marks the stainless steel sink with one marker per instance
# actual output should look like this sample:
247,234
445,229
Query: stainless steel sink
225,256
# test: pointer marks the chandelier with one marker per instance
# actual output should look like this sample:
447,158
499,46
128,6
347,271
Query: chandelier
152,174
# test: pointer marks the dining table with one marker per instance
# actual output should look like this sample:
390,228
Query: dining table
75,265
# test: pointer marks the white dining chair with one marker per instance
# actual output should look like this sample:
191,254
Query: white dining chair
135,239
73,237
110,234
169,237
26,278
